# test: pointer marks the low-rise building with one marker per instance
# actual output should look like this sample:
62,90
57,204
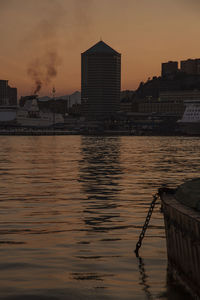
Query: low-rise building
159,107
126,105
169,102
179,96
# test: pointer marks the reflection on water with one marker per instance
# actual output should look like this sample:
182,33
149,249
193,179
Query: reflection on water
100,178
144,278
100,167
72,209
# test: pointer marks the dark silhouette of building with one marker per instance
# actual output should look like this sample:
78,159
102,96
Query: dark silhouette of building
100,82
3,92
191,66
8,95
12,96
169,68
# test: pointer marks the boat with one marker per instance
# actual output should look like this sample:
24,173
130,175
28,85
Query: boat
190,122
31,116
181,209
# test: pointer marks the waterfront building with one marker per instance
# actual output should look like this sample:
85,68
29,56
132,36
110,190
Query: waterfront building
190,121
30,115
100,82
8,103
8,95
164,108
3,92
126,105
12,96
179,96
172,102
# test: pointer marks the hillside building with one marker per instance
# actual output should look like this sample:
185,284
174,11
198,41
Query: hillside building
169,68
191,66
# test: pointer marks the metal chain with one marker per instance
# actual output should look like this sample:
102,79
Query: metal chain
139,243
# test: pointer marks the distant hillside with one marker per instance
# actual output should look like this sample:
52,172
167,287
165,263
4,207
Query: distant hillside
180,81
72,99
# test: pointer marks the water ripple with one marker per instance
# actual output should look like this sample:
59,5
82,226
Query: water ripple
72,209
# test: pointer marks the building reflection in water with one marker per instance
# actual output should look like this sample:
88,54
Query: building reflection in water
100,175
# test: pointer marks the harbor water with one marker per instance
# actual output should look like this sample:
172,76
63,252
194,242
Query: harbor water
71,211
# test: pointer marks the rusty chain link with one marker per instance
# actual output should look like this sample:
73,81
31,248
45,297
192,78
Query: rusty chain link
146,223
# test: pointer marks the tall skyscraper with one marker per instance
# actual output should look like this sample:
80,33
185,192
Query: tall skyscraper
100,82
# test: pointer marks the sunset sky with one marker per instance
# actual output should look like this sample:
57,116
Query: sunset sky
145,32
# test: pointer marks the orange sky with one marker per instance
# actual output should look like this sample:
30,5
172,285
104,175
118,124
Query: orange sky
145,32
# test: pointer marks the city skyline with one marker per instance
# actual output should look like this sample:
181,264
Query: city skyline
46,38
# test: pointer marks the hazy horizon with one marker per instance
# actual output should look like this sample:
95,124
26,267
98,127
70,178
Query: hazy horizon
43,40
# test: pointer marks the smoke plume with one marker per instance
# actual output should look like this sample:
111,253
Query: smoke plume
44,32
44,38
43,69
